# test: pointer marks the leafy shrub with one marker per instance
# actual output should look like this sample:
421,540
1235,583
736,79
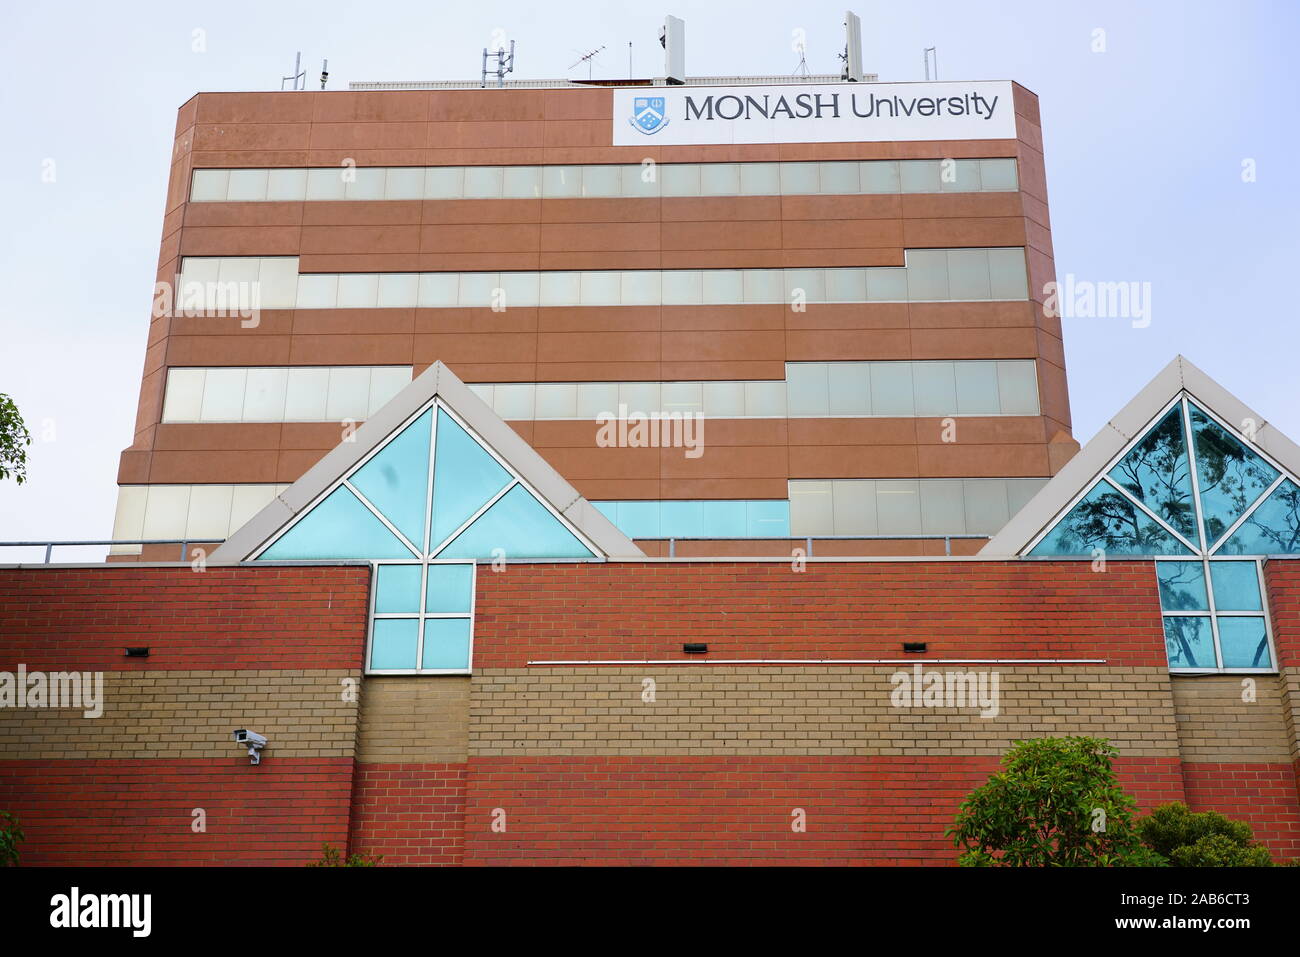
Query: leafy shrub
1201,838
330,857
11,835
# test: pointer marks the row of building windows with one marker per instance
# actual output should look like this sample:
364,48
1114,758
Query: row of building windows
927,506
930,275
281,394
630,180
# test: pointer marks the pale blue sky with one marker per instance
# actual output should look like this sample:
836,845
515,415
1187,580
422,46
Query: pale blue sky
1144,147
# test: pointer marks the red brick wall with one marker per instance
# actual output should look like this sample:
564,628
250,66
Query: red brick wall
627,610
1282,581
1262,795
140,812
220,619
409,813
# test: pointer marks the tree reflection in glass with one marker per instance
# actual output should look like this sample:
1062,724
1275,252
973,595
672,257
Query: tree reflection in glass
1231,476
1157,473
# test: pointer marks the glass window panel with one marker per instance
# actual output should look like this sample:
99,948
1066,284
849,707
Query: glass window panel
397,589
396,479
246,185
483,182
305,395
959,176
1021,490
595,398
264,395
325,185
1017,387
1007,274
1189,642
399,290
209,185
1244,643
1182,586
395,643
686,398
286,185
1273,528
898,507
128,521
919,176
968,274
812,282
1157,473
641,398
935,386
638,519
765,399
681,519
846,285
987,508
807,387
184,399
208,518
927,274
1105,519
764,285
439,290
247,501
339,526
513,400
404,182
240,269
450,588
683,287
446,182
839,178
601,181
760,179
799,179
358,290
879,176
977,387
887,284
349,393
811,508
465,477
166,510
1231,476
640,287
723,286
1236,586
556,400
998,174
446,644
223,395
477,288
720,179
386,382
849,386
520,526
724,519
724,399
520,289
277,281
767,519
521,182
855,507
640,181
561,181
943,507
679,179
891,388
366,184
560,289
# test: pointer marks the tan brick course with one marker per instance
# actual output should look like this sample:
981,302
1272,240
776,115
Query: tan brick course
414,719
1215,725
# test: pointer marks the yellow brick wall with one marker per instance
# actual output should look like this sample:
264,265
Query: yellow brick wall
414,719
1216,726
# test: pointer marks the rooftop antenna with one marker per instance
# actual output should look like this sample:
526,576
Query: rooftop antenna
852,55
802,68
324,73
587,58
629,59
299,77
931,53
505,64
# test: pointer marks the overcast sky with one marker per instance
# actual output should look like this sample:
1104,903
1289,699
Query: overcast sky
1145,145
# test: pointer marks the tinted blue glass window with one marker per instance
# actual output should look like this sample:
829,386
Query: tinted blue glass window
394,645
767,519
521,527
685,519
397,589
449,588
1272,529
1182,586
465,478
1105,519
638,519
725,519
446,643
1189,642
396,479
1244,643
338,527
1158,473
1236,586
1231,476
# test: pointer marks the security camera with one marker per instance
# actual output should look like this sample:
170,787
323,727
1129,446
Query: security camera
253,741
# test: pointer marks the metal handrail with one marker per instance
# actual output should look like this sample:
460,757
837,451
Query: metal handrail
49,546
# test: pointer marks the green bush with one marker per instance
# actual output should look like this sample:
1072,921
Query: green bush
11,835
1056,804
1201,838
330,857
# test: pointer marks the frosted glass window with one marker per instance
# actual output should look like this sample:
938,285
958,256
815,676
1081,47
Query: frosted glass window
985,505
639,397
765,399
879,176
349,393
305,395
812,283
683,287
849,387
927,274
325,185
184,396
919,176
601,181
724,399
764,285
240,269
483,182
943,507
1007,273
811,509
246,185
898,507
438,290
358,290
806,388
799,178
208,186
399,289
317,292
760,179
477,289
166,511
855,507
520,289
723,286
1017,388
891,388
601,289
365,184
521,182
444,182
264,395
887,284
556,400
679,179
595,398
286,185
223,395
277,278
1021,490
640,288
720,179
838,177
640,181
977,388
209,512
960,176
561,181
968,274
386,382
513,400
846,285
998,174
935,388
560,289
684,397
128,521
247,500
404,182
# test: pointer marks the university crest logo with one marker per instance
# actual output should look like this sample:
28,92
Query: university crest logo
648,114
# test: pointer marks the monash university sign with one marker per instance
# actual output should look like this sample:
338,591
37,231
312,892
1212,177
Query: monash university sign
802,113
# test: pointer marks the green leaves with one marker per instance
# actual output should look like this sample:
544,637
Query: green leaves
1201,839
11,835
14,439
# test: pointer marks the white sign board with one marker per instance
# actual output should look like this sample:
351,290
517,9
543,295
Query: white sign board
806,113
